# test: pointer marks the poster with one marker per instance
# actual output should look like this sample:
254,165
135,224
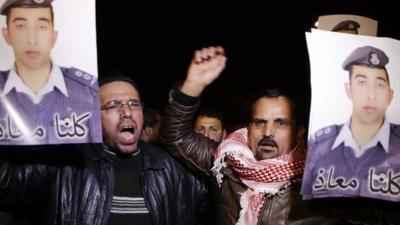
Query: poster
48,73
354,132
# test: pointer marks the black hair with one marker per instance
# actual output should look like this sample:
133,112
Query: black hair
118,77
8,11
151,117
274,93
212,112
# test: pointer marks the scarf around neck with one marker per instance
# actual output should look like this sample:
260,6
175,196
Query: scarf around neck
264,178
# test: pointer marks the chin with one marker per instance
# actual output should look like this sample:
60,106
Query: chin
128,149
260,157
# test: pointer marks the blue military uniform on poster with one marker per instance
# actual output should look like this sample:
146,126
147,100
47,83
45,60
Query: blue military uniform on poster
337,167
336,171
57,118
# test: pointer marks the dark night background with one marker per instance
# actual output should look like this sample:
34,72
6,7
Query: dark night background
264,42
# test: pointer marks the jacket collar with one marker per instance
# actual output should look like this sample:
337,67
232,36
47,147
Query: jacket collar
95,151
152,159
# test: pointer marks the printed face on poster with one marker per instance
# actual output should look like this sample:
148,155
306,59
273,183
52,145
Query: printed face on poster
48,72
354,136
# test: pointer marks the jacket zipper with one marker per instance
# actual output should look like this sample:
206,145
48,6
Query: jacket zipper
111,182
144,193
263,210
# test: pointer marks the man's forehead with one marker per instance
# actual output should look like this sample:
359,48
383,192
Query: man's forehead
208,118
368,72
27,12
272,108
208,121
265,104
119,89
118,85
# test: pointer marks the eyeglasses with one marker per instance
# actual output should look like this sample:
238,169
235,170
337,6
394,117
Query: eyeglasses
115,106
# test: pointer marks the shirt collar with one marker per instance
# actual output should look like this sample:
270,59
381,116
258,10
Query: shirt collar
345,136
56,79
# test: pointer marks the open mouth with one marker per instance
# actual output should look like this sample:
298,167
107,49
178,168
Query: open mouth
127,135
130,130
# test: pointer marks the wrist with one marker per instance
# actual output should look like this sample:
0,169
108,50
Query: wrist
192,88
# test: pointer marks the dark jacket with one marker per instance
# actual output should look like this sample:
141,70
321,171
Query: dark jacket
196,152
76,184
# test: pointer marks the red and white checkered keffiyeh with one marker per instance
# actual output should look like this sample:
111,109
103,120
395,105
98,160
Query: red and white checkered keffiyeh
263,178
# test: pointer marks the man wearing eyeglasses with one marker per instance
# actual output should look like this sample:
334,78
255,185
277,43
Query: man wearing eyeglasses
149,186
124,181
122,116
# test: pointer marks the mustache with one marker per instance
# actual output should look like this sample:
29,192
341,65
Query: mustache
268,141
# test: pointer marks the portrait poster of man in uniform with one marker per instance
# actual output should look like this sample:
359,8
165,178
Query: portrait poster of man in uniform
351,24
48,72
354,131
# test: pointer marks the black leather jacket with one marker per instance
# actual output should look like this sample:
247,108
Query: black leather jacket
76,184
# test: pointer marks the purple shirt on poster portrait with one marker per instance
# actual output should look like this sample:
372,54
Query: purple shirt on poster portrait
59,116
335,169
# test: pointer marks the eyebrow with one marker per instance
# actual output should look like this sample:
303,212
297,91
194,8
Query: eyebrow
44,19
364,76
259,120
264,120
383,79
360,76
134,100
18,19
282,119
131,99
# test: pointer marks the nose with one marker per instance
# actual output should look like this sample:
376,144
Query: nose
125,110
206,133
372,92
32,35
269,129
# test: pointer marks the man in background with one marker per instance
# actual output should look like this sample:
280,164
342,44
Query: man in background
209,122
151,126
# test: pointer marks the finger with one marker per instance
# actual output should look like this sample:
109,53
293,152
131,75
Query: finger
197,58
214,51
208,54
220,50
202,55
